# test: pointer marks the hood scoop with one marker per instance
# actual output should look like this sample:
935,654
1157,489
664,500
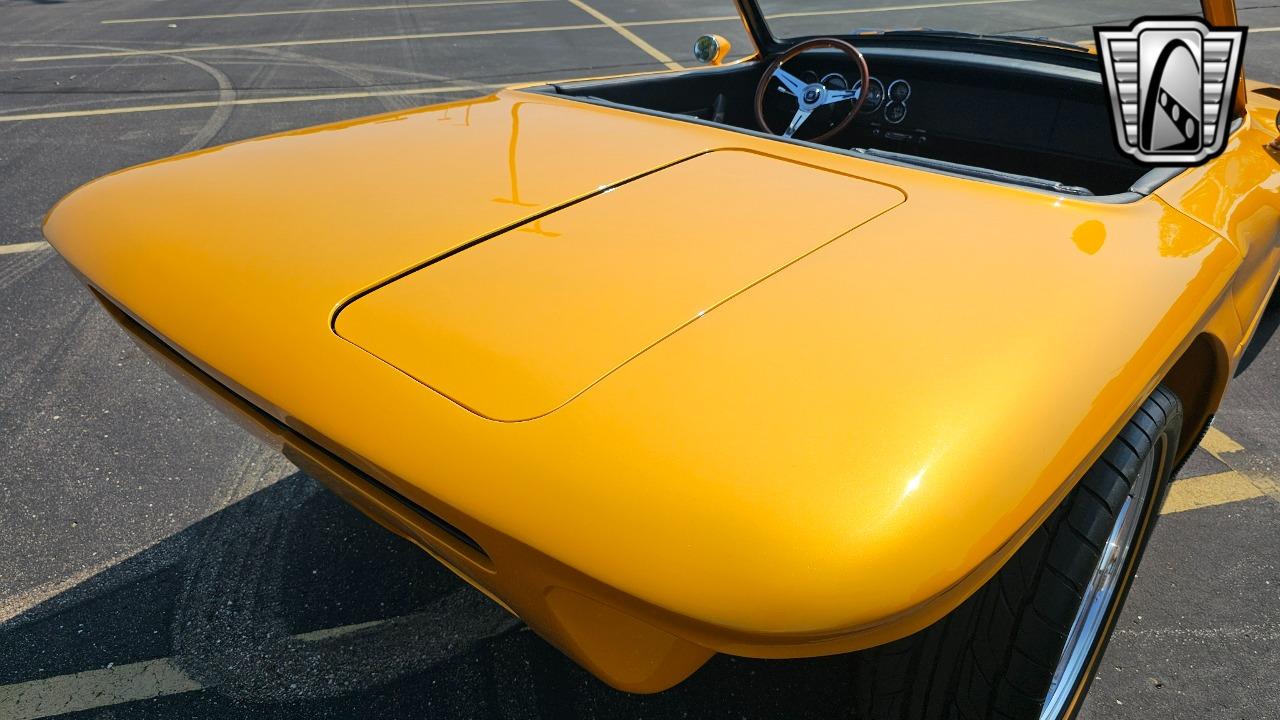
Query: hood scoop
517,325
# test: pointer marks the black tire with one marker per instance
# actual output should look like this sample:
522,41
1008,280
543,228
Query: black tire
995,656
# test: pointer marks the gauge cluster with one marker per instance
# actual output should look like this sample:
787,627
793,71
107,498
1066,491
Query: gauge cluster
893,99
885,104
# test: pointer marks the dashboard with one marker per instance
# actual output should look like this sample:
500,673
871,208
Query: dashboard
1019,116
995,116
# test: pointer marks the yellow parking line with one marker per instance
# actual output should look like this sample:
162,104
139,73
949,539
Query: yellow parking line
823,13
440,89
414,6
1220,488
636,40
921,6
1208,491
23,247
94,689
318,41
117,684
326,633
505,31
1217,443
1267,486
313,11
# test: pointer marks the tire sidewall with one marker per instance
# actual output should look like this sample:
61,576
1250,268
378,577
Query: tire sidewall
1167,445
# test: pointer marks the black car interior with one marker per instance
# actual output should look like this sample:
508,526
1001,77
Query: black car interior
1042,121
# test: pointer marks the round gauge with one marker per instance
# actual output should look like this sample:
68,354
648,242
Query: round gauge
835,81
895,112
899,91
875,95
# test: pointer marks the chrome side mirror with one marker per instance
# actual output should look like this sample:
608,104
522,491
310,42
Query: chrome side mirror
710,49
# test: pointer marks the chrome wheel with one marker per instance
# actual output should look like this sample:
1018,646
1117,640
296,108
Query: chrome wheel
1099,594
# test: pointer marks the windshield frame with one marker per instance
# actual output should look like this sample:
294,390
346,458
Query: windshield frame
1216,12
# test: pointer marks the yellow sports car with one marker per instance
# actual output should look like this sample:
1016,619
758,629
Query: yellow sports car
872,343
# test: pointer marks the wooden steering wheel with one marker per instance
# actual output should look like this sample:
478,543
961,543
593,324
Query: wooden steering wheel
811,96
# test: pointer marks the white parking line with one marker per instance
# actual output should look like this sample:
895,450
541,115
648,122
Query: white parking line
314,11
503,31
435,90
23,247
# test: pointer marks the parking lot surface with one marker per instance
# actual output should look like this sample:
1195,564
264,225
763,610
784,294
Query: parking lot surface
157,562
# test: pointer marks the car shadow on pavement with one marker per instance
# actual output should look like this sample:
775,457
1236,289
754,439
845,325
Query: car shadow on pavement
289,603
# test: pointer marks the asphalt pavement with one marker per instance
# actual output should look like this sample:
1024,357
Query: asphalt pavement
157,562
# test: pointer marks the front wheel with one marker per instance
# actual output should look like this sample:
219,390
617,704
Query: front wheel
1025,645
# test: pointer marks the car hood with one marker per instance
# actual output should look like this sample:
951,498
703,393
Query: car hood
519,322
894,373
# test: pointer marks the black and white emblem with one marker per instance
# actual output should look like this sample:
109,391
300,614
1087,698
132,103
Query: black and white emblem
1172,83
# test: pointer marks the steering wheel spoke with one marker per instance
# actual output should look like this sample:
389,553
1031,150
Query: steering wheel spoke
801,115
793,84
832,97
